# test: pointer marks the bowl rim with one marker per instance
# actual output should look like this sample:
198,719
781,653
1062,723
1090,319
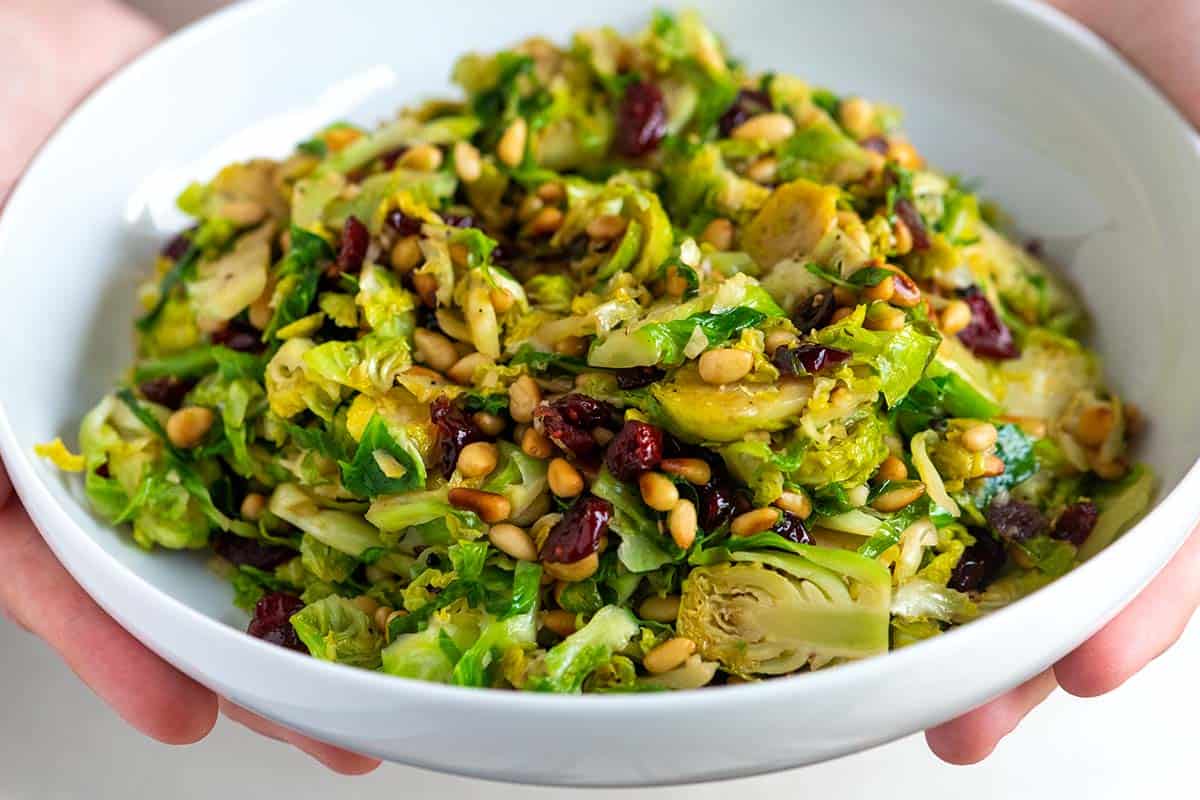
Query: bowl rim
30,480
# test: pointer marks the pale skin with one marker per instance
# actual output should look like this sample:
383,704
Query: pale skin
39,86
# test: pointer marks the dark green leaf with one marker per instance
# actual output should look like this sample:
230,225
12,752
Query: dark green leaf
181,270
1016,449
301,267
363,475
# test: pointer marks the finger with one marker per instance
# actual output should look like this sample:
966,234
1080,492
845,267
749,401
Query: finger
335,758
973,736
42,597
1140,633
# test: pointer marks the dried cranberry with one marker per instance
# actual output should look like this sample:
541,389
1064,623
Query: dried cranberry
1076,522
815,313
637,448
978,565
240,336
641,120
272,620
986,334
569,420
353,248
178,244
1035,248
916,225
748,103
717,500
389,159
637,377
792,528
459,220
876,144
403,224
103,470
456,429
807,358
168,391
239,550
1015,520
577,535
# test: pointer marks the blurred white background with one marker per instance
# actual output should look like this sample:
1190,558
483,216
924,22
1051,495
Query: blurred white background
58,741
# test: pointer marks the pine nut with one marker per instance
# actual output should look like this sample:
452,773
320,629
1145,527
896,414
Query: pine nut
955,317
692,470
881,291
187,427
795,503
993,465
392,617
460,256
676,285
1095,424
574,572
658,491
756,521
552,192
406,254
882,317
844,297
523,397
338,139
467,163
725,365
545,222
535,444
559,622
660,609
892,469
529,207
764,170
898,498
501,300
490,424
904,154
777,339
606,227
771,128
719,234
512,541
243,213
511,147
490,507
857,495
564,479
668,655
425,373
682,524
979,438
253,506
426,287
905,292
840,314
366,604
433,349
478,459
381,617
857,117
464,369
902,238
422,158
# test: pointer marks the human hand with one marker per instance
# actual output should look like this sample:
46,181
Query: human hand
38,87
1162,39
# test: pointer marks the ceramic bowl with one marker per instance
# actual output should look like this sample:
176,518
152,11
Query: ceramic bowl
1065,135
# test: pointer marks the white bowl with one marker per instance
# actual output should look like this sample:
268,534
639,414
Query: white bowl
1062,132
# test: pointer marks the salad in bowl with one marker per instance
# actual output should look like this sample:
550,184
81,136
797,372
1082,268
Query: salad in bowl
629,370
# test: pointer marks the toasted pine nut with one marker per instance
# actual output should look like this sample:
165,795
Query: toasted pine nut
368,605
756,521
433,349
795,502
426,287
658,491
253,506
406,254
857,117
857,495
882,317
905,292
898,498
381,617
243,212
490,424
902,238
844,297
881,291
841,313
676,285
422,158
668,655
529,207
725,365
574,572
692,470
892,469
511,147
426,373
338,139
523,397
501,300
535,444
1095,424
606,227
764,170
490,507
979,438
682,524
467,162
545,222
559,622
904,154
718,233
660,609
770,128
956,316
552,192
512,541
392,617
564,479
187,427
478,459
778,339
464,369
993,465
